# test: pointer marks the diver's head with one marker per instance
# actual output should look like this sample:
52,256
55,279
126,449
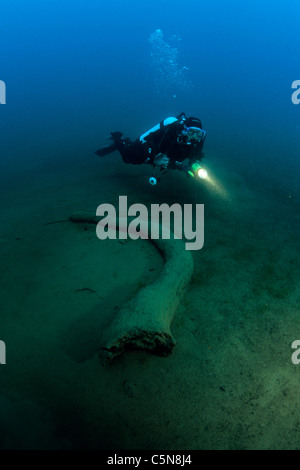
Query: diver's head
192,133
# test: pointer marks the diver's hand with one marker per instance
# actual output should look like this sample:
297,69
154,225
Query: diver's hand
185,166
161,160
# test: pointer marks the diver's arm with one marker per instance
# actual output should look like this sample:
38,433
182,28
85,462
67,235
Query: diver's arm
169,140
161,160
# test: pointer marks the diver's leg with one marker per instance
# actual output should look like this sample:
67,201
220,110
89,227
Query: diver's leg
131,152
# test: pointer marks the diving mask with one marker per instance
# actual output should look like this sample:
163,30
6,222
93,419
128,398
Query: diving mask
195,135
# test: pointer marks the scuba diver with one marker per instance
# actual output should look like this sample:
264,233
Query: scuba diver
174,143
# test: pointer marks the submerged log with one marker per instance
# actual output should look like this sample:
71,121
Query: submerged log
145,321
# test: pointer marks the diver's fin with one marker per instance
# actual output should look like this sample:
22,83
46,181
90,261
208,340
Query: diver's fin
106,150
116,136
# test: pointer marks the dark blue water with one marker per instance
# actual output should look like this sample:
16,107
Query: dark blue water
76,70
